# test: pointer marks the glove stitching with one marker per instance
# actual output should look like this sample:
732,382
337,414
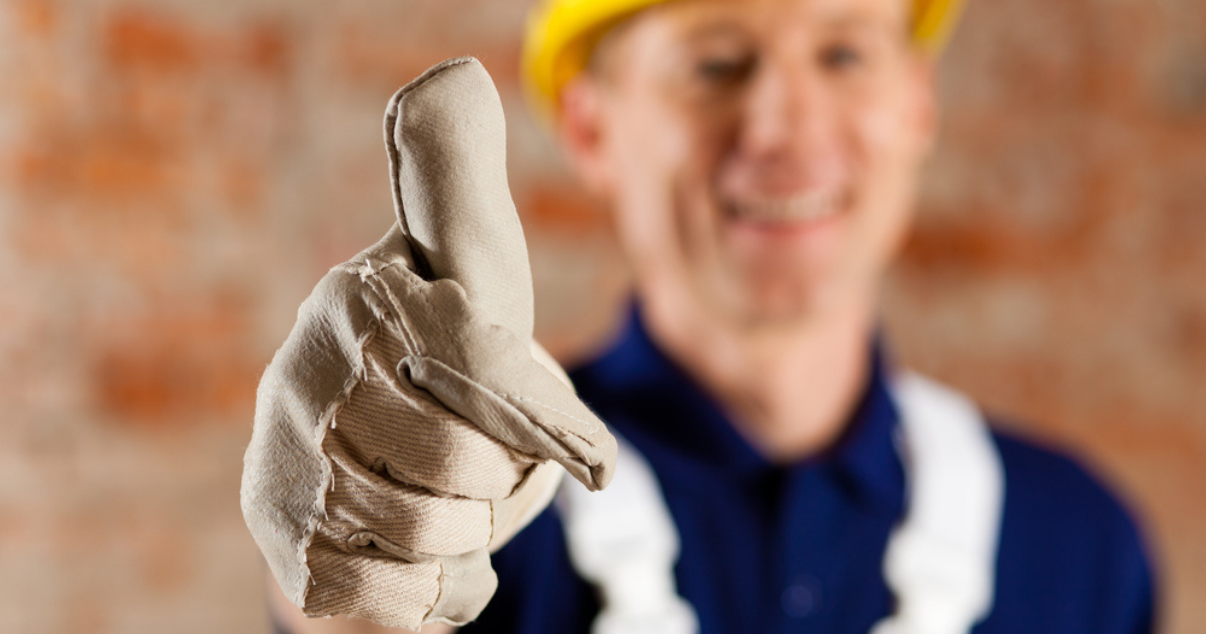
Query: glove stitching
542,424
391,300
358,542
326,482
441,322
494,514
441,590
327,478
593,427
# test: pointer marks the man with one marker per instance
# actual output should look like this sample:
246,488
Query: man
760,159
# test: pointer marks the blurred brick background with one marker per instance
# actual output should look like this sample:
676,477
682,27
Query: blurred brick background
175,176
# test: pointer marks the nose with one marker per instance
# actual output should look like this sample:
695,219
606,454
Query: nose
791,123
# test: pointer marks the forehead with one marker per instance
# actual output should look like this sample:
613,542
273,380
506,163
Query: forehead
691,19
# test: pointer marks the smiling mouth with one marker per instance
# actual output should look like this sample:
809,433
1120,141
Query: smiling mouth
806,207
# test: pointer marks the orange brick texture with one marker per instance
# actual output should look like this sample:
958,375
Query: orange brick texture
175,177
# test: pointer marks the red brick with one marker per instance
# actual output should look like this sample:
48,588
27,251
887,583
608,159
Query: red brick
165,560
242,185
382,60
178,364
37,17
151,41
104,163
266,47
87,614
364,59
163,44
981,247
561,208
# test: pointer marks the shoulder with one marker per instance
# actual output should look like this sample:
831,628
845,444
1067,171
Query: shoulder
1045,485
1070,550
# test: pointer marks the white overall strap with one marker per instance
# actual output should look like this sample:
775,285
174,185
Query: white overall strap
940,562
623,540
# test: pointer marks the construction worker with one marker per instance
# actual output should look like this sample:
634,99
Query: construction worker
760,159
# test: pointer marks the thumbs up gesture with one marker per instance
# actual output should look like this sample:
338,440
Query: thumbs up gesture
409,424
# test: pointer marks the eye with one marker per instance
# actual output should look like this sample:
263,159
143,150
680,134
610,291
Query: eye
841,57
725,69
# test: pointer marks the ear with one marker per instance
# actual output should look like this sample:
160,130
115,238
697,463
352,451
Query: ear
927,113
581,130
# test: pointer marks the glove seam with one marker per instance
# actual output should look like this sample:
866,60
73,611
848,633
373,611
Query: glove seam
393,114
508,399
449,335
326,482
383,293
439,595
592,427
394,551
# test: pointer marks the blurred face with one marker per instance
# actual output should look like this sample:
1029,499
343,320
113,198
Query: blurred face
759,155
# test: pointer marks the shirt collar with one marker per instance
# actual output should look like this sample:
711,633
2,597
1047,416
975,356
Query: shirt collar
655,397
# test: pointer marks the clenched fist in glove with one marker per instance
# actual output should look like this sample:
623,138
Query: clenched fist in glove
409,424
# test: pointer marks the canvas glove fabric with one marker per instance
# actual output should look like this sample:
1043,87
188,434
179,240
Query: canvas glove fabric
409,424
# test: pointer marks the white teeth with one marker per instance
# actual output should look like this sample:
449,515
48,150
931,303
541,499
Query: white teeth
801,207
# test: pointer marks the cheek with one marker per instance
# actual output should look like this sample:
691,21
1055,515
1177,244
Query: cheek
663,156
890,148
642,152
643,145
884,138
890,151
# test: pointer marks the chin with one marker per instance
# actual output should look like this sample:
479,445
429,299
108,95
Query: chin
775,304
797,297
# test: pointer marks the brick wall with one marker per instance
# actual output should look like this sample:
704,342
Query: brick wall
176,175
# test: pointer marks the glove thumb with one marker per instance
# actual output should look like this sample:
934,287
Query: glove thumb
446,138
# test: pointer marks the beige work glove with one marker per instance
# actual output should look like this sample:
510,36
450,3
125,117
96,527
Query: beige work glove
409,425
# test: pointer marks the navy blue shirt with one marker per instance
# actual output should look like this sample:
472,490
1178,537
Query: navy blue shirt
799,548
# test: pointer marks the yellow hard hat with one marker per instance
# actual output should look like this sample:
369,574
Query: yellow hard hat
561,34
